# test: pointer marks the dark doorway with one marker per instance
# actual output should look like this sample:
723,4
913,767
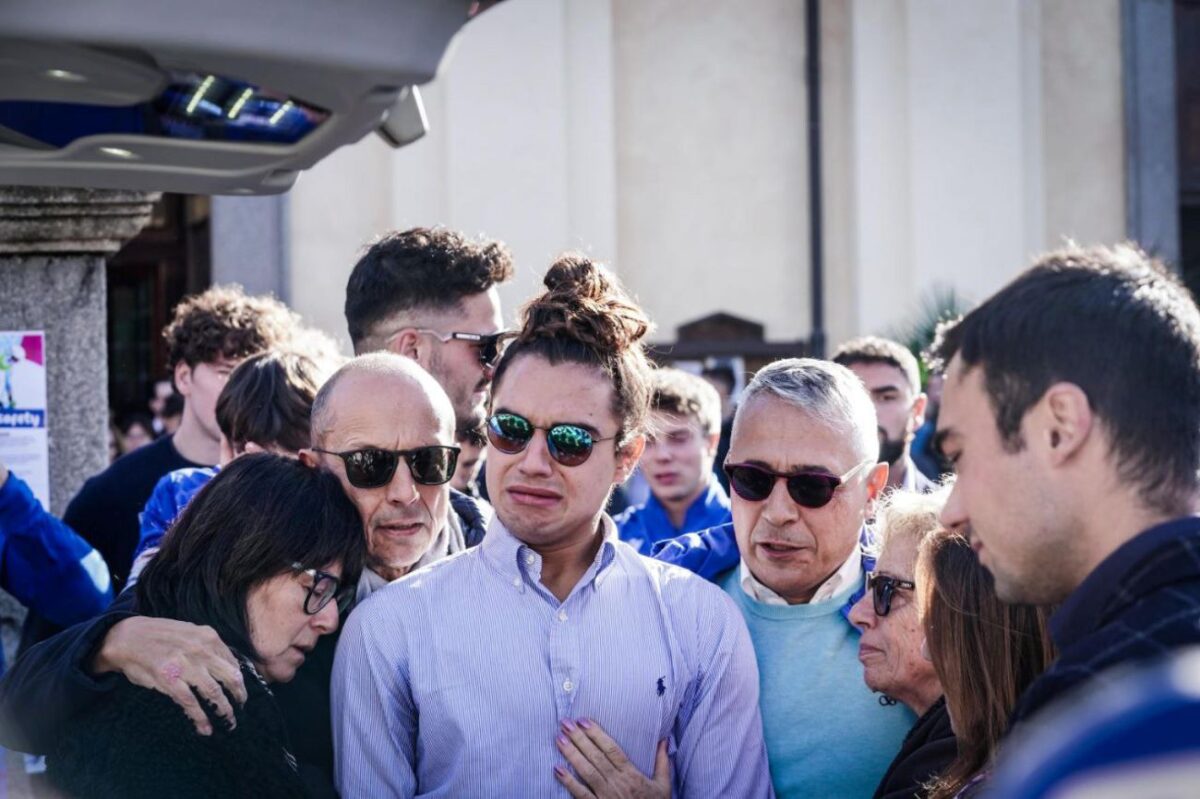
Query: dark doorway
146,279
1187,88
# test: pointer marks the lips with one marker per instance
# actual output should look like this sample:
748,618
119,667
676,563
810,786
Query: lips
777,550
399,530
533,496
866,652
666,478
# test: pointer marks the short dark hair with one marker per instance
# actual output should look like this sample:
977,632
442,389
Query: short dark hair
874,349
251,522
224,322
268,400
419,268
1114,322
685,394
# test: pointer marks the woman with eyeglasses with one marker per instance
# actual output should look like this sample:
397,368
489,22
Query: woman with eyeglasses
259,555
985,653
890,648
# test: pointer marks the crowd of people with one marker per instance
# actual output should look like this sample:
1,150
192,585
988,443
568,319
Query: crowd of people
315,592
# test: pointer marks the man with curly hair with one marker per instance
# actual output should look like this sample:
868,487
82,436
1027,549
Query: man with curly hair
430,294
210,334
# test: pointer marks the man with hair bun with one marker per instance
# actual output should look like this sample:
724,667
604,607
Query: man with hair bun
510,669
685,496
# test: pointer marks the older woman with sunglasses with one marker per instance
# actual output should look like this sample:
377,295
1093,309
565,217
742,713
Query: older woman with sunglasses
259,555
891,643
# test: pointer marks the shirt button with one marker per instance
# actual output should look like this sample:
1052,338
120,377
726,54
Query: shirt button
562,615
516,582
568,686
530,558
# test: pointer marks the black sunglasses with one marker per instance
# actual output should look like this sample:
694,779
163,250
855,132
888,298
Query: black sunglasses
569,444
807,489
490,345
883,588
324,588
372,467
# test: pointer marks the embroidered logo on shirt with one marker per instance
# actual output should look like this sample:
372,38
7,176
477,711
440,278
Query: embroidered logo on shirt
662,685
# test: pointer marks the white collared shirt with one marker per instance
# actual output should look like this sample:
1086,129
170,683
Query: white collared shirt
846,574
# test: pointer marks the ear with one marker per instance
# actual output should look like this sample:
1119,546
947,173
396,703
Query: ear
916,415
308,458
252,447
628,457
713,441
183,379
411,344
877,481
1063,422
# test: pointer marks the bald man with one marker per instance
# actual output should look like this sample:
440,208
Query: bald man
386,429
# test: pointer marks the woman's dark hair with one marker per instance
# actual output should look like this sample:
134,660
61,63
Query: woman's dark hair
585,317
985,652
257,517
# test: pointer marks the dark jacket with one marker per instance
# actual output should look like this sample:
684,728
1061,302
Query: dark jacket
928,749
135,743
1140,602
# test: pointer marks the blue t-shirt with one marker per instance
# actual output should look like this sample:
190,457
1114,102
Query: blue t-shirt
645,525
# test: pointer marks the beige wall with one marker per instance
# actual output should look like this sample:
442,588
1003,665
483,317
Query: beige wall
669,138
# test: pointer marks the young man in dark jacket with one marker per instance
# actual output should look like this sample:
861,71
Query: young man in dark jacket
1071,413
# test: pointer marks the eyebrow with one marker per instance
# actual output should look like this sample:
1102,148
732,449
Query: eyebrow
591,429
882,389
806,467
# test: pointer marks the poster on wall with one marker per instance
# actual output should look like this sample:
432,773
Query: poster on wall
24,446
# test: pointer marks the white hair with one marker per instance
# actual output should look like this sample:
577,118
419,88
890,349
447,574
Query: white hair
827,391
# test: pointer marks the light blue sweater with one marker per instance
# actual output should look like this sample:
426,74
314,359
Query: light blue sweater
827,735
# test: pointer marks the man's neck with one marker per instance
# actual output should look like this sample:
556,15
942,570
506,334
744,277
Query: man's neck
389,573
898,470
564,564
677,508
1114,523
193,444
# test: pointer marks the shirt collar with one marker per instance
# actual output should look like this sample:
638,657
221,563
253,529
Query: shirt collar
1083,611
847,573
520,565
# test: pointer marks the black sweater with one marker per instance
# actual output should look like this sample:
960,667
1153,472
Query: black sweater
927,750
135,743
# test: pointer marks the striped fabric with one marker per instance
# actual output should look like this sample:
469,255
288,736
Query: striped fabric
452,681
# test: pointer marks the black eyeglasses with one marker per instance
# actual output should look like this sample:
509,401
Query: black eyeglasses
490,344
807,489
883,588
372,467
569,444
324,588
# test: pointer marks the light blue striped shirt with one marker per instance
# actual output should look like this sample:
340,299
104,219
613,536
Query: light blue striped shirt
451,681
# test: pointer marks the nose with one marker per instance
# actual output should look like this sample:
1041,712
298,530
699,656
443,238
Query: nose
326,620
402,490
535,460
862,615
954,513
778,507
660,452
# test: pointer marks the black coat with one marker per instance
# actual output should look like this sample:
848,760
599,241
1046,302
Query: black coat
928,749
135,743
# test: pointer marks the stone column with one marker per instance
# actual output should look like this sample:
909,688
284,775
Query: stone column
53,243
